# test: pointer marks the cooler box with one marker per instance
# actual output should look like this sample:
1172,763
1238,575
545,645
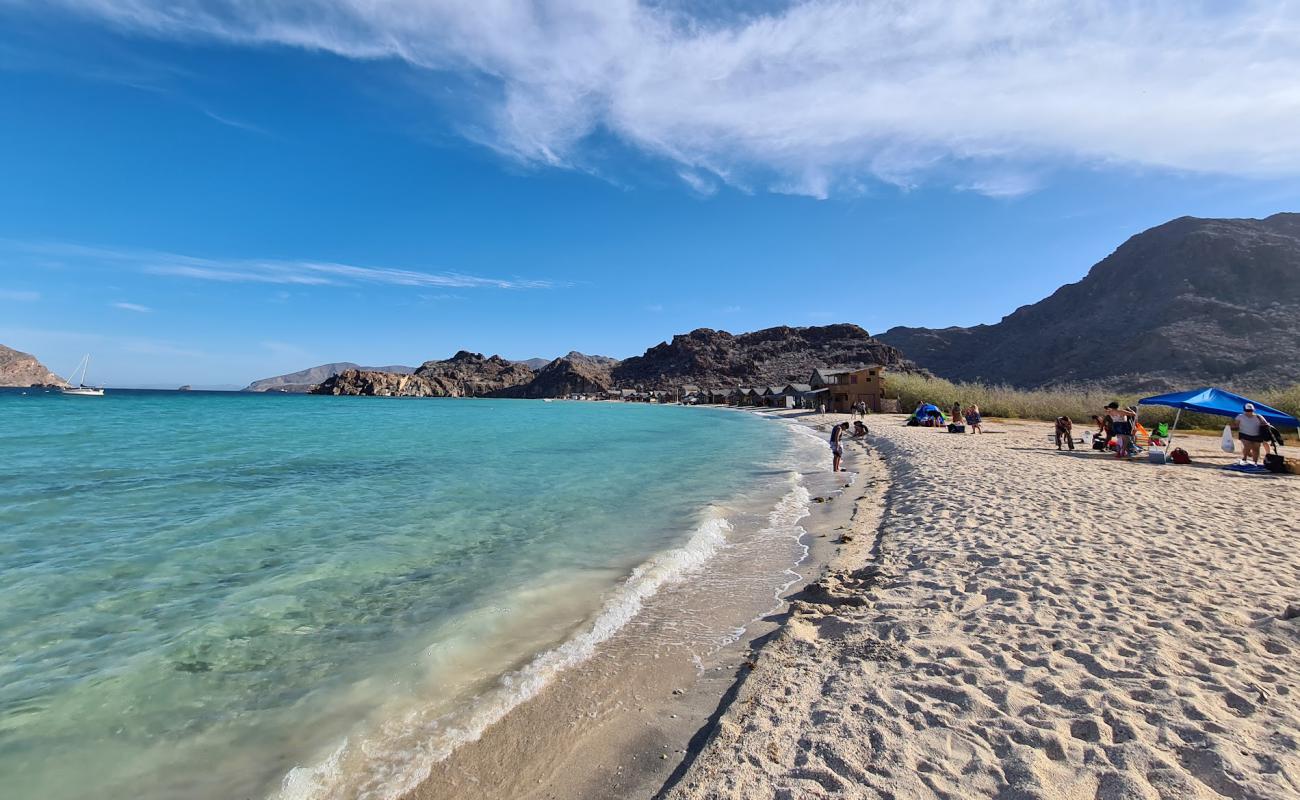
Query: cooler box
1156,456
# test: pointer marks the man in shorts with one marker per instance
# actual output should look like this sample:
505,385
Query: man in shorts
1252,429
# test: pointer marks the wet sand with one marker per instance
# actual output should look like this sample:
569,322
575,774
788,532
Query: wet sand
622,723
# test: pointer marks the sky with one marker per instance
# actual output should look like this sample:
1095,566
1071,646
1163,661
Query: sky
210,192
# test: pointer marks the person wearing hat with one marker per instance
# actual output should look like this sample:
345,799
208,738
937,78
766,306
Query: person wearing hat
1252,429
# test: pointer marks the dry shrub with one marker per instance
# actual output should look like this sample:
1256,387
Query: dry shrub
1078,403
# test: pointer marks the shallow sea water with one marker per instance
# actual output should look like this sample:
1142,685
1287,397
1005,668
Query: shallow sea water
211,595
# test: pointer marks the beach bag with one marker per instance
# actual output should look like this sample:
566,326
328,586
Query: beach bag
954,428
1179,456
1274,463
1099,443
1229,446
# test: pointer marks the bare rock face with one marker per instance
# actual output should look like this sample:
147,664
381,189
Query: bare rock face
378,384
473,375
22,369
463,375
1190,302
772,356
572,374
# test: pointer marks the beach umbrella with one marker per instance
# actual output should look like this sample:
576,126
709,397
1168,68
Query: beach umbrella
1219,402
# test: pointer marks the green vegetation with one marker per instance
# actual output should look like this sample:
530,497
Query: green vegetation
1077,403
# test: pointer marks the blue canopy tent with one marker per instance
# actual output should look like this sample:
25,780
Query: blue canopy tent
926,411
1219,402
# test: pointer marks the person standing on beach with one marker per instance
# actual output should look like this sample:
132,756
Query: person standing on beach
974,419
837,445
1121,425
1252,429
956,413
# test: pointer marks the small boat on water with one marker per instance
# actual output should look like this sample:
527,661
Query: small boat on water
81,389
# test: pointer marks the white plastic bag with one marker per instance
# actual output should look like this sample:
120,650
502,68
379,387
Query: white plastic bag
1229,445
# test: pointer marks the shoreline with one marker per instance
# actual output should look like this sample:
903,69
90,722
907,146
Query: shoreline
1018,633
625,721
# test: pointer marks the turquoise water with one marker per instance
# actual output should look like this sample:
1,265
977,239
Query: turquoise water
201,594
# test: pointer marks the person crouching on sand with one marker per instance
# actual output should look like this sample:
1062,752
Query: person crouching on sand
1064,428
859,430
837,445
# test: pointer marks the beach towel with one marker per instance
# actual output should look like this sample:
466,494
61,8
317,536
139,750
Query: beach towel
1248,469
1229,446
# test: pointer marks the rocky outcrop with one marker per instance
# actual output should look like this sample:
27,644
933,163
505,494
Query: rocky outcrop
772,356
379,384
707,358
22,369
463,375
304,380
1190,302
574,373
473,375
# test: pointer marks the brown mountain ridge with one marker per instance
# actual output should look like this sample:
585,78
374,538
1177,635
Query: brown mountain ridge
1187,303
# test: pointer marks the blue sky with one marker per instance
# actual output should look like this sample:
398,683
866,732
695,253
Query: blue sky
211,192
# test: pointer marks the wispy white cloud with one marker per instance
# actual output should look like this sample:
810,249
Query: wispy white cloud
812,97
730,309
303,273
136,307
233,123
655,308
19,296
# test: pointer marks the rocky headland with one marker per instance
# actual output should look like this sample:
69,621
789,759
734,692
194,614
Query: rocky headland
574,373
303,380
703,357
771,356
22,369
463,375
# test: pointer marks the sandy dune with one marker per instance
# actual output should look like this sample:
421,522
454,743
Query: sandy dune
1019,623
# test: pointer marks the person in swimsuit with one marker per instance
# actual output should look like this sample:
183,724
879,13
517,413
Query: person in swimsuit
859,430
1252,429
956,413
973,419
1121,425
837,446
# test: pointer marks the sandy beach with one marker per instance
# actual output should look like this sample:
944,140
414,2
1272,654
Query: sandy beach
1023,623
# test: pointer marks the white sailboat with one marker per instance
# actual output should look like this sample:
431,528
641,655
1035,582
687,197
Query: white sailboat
81,388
